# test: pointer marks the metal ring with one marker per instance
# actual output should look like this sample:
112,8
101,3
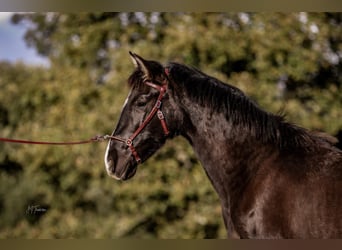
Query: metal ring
129,142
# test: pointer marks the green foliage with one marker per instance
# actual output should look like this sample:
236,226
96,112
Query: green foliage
289,62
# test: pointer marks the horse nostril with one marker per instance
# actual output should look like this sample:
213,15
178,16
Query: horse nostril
109,163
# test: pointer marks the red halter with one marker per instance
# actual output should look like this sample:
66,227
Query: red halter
155,110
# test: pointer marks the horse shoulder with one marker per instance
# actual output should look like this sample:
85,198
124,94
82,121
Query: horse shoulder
287,192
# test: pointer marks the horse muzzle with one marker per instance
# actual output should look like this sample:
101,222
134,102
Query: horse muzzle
119,167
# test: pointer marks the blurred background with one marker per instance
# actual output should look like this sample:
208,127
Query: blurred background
63,77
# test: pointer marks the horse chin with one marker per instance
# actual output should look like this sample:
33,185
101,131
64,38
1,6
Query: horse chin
129,173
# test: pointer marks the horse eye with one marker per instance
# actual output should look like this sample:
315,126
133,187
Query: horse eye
142,100
141,103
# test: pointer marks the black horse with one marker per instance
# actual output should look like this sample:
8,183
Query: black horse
274,179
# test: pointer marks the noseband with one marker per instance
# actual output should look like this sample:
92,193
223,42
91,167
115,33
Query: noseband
155,110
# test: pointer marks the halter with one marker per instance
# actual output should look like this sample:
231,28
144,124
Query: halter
155,110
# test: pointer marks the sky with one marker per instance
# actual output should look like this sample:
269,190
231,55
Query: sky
12,44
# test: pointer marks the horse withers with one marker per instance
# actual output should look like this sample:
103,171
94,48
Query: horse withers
274,179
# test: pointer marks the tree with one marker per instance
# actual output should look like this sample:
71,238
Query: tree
289,62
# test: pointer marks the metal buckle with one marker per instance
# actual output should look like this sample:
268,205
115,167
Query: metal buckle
160,115
158,104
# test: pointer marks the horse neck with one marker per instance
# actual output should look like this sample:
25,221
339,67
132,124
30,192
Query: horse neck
230,154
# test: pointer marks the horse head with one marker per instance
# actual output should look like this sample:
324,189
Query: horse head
144,123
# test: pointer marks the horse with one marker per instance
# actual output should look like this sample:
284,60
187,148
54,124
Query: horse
274,179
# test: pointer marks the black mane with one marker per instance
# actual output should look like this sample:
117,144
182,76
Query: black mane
241,110
136,79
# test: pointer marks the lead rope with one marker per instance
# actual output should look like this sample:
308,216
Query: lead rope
98,138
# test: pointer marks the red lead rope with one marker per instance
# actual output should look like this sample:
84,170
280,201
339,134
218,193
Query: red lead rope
94,139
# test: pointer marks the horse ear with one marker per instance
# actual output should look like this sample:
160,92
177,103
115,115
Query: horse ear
140,63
